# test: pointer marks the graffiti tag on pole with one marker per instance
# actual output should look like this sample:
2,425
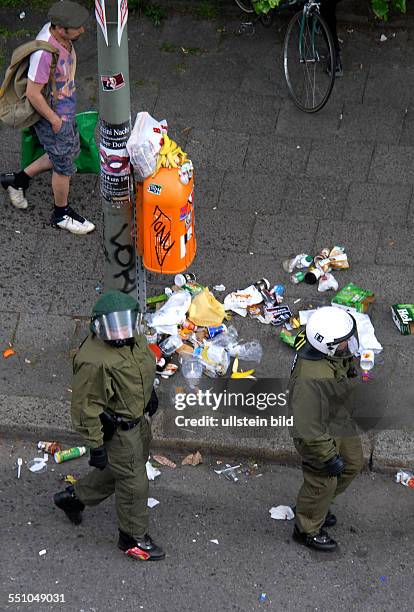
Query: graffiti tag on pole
115,172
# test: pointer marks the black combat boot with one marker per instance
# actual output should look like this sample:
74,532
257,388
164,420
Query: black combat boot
319,541
330,519
68,502
144,548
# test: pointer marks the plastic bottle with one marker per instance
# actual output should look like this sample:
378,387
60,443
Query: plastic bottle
70,453
298,277
304,262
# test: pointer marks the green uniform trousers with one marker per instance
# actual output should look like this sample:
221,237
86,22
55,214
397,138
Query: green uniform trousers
319,490
126,476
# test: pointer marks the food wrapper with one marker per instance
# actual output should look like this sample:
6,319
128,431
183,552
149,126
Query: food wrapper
238,301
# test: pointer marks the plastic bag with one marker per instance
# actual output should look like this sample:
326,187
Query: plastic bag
87,162
145,143
173,313
205,310
248,351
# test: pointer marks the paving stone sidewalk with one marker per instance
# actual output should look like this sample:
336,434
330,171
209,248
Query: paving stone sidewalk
270,181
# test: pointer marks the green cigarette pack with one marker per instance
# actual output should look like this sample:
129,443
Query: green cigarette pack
352,297
403,317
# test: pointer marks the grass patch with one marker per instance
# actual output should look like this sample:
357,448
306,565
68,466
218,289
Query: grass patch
16,33
168,47
208,9
152,10
179,68
19,4
191,50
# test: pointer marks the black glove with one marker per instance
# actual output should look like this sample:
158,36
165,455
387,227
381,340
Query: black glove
99,457
152,406
335,466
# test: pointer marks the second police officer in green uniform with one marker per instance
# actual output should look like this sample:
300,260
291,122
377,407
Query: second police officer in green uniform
112,400
321,389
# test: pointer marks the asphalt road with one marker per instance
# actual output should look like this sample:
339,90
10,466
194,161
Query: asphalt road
372,569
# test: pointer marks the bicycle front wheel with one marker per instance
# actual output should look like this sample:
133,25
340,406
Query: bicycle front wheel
309,61
245,5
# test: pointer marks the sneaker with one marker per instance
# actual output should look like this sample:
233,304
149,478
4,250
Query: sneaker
72,222
318,541
144,549
16,194
68,502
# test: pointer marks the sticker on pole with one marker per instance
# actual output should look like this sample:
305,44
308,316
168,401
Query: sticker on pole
115,171
112,83
122,18
101,18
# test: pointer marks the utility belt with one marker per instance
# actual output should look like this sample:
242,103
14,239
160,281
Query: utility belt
111,421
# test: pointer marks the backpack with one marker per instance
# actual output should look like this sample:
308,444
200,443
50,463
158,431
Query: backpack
15,109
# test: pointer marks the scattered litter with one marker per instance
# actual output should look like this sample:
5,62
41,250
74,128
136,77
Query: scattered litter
353,298
383,38
192,459
229,472
403,317
42,552
152,502
282,513
48,447
263,597
214,541
19,466
27,360
296,301
17,231
8,352
69,453
164,461
406,478
70,479
38,465
99,288
219,288
152,472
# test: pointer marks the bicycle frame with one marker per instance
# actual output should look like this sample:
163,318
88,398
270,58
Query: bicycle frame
312,4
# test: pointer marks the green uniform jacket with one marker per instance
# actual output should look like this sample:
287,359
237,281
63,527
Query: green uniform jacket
321,403
119,379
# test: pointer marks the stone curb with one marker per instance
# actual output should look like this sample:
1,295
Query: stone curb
383,452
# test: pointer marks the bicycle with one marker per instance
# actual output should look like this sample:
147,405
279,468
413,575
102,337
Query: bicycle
309,56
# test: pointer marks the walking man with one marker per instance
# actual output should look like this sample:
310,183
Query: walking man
112,400
321,387
56,128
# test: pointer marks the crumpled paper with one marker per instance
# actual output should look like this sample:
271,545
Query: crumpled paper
282,513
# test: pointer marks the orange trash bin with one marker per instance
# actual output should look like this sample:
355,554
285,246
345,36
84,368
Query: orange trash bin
165,222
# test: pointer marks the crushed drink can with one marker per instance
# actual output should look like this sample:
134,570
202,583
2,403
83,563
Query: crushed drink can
214,331
48,447
262,284
182,279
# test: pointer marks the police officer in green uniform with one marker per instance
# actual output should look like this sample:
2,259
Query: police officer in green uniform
321,401
112,400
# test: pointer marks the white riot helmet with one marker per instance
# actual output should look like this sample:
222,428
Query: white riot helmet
326,329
